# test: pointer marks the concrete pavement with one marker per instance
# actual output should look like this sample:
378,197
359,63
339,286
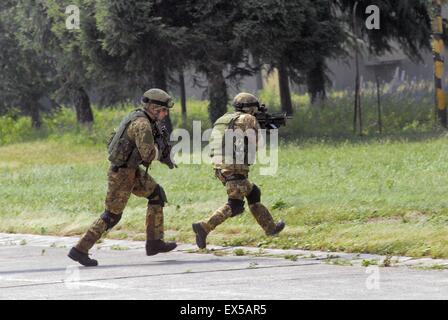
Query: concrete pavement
37,267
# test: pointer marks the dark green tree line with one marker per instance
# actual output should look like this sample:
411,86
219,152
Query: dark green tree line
125,47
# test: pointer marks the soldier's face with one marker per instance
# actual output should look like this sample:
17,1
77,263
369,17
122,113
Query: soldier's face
252,111
160,113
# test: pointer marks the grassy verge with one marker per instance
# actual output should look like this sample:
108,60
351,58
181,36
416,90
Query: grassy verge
380,196
409,110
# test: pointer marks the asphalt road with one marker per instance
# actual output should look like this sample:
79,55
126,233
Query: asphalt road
38,268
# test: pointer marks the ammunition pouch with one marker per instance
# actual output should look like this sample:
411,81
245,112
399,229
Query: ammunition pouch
123,151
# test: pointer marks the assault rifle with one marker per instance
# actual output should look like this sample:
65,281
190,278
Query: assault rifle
270,121
162,139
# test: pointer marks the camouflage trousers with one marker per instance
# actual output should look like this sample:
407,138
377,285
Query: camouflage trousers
121,184
238,190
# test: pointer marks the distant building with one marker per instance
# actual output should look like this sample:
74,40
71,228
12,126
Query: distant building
385,67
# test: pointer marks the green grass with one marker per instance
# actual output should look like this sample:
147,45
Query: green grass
409,111
119,248
384,196
239,252
367,262
339,262
438,267
292,257
61,125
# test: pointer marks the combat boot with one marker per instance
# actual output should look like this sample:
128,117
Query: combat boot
278,228
156,246
201,235
82,258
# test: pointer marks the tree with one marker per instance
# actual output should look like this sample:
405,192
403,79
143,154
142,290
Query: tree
26,74
404,21
71,64
136,32
173,13
316,79
288,35
42,28
214,50
113,84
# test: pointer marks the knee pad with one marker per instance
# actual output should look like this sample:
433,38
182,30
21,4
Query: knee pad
110,219
254,196
160,194
236,205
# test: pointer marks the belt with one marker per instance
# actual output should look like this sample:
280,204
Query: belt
116,168
234,177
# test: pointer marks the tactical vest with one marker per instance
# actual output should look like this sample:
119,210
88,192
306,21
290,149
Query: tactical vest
122,150
217,145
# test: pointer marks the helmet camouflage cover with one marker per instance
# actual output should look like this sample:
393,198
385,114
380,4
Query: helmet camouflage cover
158,97
246,102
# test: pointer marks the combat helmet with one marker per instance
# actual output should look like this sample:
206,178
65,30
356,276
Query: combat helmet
158,97
246,102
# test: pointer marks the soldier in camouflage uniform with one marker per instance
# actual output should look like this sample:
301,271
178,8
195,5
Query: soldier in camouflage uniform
131,145
234,175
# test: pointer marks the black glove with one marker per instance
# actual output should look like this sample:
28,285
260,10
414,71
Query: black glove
164,154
